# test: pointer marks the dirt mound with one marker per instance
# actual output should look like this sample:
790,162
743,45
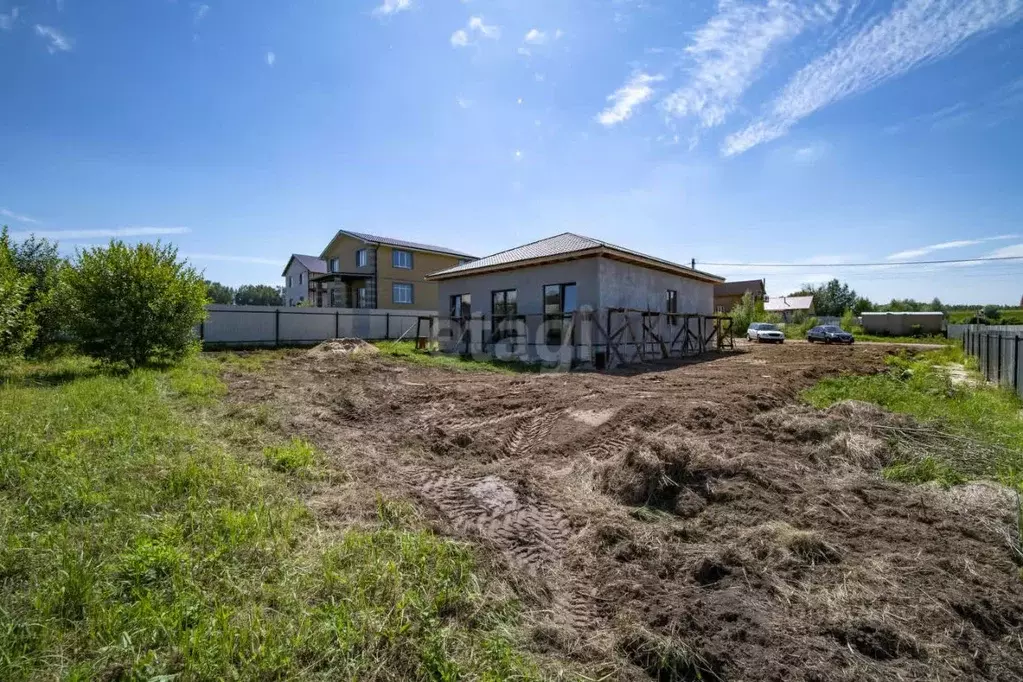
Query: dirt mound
344,346
687,522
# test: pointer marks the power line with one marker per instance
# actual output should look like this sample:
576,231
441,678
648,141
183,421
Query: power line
863,265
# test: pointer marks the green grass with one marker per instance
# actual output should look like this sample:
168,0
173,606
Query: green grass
406,352
978,426
135,543
935,340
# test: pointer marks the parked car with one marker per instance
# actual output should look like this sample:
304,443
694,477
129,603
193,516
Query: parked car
762,331
829,334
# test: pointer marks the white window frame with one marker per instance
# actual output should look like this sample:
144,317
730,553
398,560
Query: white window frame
398,262
335,264
361,297
361,258
402,286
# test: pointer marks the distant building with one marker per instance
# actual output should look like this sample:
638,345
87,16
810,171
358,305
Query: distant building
788,306
727,294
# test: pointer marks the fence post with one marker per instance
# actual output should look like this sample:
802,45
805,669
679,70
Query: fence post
998,372
277,327
202,330
387,327
337,323
1015,364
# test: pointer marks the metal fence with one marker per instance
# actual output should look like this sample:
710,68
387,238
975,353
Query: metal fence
229,325
997,350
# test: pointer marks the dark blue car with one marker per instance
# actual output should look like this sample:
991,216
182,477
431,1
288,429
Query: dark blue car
829,334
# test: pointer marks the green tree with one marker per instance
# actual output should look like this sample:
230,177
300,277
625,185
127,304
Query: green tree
133,304
17,320
937,306
831,299
219,293
258,294
747,311
992,312
39,260
862,305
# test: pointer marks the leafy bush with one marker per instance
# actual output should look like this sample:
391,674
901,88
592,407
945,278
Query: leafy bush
133,304
17,320
258,294
747,311
992,312
219,293
39,260
848,321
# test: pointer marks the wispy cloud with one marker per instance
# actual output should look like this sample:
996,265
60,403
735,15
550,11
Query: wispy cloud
17,216
535,37
56,41
199,11
8,19
463,36
119,232
728,55
917,32
230,258
271,58
1014,251
390,7
625,99
464,102
943,246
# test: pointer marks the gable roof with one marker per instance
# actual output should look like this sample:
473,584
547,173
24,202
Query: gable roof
563,247
754,286
310,263
779,304
401,244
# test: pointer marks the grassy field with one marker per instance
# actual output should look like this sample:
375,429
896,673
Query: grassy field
969,429
145,533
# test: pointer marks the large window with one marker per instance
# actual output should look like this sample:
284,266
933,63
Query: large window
671,306
461,305
361,258
361,298
401,259
401,293
559,301
504,307
289,280
300,278
335,264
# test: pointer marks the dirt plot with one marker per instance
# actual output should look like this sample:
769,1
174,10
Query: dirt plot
680,522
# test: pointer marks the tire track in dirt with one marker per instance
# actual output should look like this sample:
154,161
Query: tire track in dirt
528,433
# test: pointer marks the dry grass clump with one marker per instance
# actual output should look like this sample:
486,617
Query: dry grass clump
781,543
859,450
652,471
665,657
798,424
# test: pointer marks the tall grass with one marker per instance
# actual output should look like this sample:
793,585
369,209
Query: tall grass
984,419
134,545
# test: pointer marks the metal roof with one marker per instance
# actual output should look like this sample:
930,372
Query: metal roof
558,245
414,246
779,304
310,263
754,286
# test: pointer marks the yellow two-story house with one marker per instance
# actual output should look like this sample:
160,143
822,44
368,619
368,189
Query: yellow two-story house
367,271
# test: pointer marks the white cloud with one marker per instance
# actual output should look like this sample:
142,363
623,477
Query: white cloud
57,41
103,234
229,258
462,37
525,52
956,244
7,20
390,7
463,102
487,31
535,37
271,58
626,98
1014,251
17,216
199,11
729,52
915,33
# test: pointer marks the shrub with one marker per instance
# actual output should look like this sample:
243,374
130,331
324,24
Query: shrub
992,312
747,311
17,320
848,320
132,304
39,260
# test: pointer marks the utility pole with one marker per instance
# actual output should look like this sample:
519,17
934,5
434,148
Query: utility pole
694,264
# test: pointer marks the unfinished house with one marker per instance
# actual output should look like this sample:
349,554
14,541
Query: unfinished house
578,296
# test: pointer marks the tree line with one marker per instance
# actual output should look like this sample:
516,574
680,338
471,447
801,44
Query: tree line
247,294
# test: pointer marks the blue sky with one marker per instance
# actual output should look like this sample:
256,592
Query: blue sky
807,133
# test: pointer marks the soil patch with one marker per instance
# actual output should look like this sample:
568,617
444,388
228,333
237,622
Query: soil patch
685,521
